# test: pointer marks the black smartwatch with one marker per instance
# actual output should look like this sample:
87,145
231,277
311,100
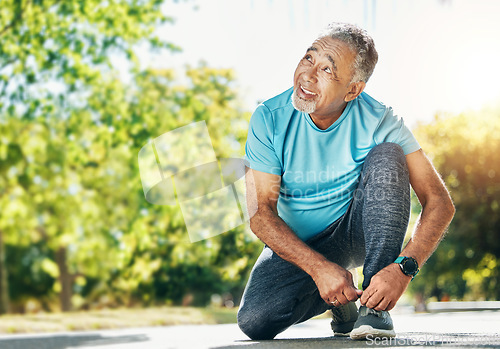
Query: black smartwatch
408,265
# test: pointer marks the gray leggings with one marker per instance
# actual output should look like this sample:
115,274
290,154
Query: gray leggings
370,234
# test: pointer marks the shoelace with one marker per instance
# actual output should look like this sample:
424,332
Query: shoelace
374,312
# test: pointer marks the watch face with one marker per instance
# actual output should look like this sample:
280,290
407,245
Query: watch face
410,266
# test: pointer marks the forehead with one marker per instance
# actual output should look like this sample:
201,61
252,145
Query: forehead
334,50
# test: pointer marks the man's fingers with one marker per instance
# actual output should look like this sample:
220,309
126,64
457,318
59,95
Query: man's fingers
342,299
374,299
351,294
391,305
384,303
366,295
373,302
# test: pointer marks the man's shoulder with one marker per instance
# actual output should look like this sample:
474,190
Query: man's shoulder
369,106
281,102
275,112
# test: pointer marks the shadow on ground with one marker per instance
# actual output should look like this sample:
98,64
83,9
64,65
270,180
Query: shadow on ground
408,339
66,341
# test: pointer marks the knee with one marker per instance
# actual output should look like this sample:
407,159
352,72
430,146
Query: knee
255,323
390,151
387,159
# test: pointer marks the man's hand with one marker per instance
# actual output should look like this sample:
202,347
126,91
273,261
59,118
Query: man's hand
334,282
385,288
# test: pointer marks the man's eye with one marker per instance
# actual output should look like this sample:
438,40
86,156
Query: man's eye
328,70
308,58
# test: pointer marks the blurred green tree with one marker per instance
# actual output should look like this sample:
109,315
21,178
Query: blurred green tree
51,53
158,261
466,152
71,201
51,50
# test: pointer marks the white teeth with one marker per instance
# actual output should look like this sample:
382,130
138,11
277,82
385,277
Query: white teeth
307,92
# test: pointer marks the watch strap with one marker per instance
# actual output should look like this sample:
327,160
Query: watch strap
399,260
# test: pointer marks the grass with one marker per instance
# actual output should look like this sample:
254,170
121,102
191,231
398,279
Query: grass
114,318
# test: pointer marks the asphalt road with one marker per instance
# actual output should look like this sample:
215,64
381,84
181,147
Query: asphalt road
478,329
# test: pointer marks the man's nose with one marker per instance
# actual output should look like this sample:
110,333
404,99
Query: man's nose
311,74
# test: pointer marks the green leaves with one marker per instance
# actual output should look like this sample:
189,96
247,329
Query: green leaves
70,41
71,200
465,149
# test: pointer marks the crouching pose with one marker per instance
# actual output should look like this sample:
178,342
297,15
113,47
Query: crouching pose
331,170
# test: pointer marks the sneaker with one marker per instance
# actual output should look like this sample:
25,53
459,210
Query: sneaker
343,319
372,324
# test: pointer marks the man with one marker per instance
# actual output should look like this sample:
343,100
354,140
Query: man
331,170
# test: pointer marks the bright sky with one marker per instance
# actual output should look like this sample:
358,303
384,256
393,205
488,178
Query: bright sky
433,55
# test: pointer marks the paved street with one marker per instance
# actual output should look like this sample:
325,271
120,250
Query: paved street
479,329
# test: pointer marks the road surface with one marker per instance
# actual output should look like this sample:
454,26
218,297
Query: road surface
478,329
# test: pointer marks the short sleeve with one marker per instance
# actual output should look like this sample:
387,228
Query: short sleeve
259,148
393,129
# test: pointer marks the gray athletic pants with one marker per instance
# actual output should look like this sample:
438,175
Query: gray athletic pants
370,234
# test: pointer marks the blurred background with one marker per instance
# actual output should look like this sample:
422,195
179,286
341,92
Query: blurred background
85,84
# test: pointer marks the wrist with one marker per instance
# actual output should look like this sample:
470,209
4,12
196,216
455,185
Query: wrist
317,267
397,274
408,266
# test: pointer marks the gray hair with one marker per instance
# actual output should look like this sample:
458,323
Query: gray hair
360,42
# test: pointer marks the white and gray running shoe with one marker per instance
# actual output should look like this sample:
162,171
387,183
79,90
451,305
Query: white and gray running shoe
373,324
343,319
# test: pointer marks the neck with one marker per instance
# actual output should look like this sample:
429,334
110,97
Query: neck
325,121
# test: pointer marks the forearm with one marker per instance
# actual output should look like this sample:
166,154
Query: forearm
276,234
430,228
387,286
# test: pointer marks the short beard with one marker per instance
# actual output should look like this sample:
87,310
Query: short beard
302,105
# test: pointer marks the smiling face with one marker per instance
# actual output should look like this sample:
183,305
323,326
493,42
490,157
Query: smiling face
322,81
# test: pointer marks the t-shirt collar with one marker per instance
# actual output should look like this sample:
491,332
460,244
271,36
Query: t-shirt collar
335,124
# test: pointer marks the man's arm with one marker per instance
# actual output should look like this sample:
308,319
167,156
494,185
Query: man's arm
387,286
333,281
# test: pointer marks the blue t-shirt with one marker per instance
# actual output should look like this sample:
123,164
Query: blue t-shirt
319,169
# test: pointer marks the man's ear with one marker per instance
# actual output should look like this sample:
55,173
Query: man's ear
355,90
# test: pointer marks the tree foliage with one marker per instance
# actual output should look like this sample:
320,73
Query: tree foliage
466,151
50,50
73,216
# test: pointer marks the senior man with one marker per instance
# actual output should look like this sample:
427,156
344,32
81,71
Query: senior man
331,169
